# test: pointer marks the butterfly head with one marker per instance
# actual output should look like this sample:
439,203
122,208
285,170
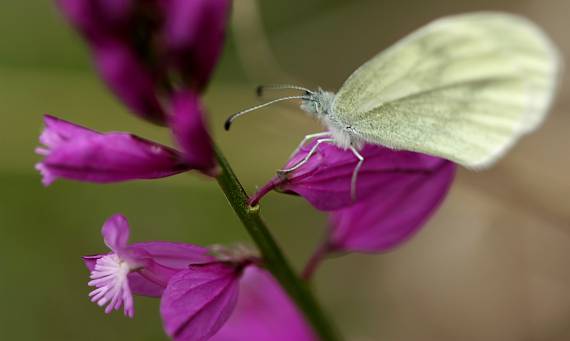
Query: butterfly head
317,103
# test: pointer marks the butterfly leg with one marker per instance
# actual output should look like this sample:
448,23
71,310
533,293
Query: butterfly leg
307,157
355,172
307,138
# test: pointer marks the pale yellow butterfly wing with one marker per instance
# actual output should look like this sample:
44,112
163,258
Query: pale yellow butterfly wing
464,88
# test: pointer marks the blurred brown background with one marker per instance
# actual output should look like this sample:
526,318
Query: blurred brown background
491,265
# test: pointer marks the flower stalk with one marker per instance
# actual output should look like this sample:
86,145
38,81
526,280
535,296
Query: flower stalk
274,259
314,262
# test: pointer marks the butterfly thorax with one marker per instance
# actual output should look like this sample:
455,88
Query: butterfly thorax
319,104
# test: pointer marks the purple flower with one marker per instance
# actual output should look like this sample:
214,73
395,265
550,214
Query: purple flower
264,312
198,290
112,28
140,268
194,35
129,79
393,214
187,122
199,300
74,152
396,192
325,180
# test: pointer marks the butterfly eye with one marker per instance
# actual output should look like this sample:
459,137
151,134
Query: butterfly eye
318,107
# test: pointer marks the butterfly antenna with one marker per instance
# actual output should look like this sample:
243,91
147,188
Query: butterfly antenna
230,119
261,88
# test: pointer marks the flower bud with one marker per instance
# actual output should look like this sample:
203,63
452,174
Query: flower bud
73,152
194,35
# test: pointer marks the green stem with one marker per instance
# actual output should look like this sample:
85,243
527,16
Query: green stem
274,259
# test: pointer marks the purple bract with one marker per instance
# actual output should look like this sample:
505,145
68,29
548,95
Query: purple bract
194,35
393,214
199,300
325,179
129,79
187,122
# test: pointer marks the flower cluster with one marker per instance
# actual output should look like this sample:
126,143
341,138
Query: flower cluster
157,57
127,38
198,290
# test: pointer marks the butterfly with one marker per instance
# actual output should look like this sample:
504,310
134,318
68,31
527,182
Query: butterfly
464,87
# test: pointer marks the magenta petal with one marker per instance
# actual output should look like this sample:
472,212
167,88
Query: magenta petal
90,261
104,158
129,79
391,216
264,312
325,180
115,232
187,122
141,286
57,131
194,34
175,255
199,300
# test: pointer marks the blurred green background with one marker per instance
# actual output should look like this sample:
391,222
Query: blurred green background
491,265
